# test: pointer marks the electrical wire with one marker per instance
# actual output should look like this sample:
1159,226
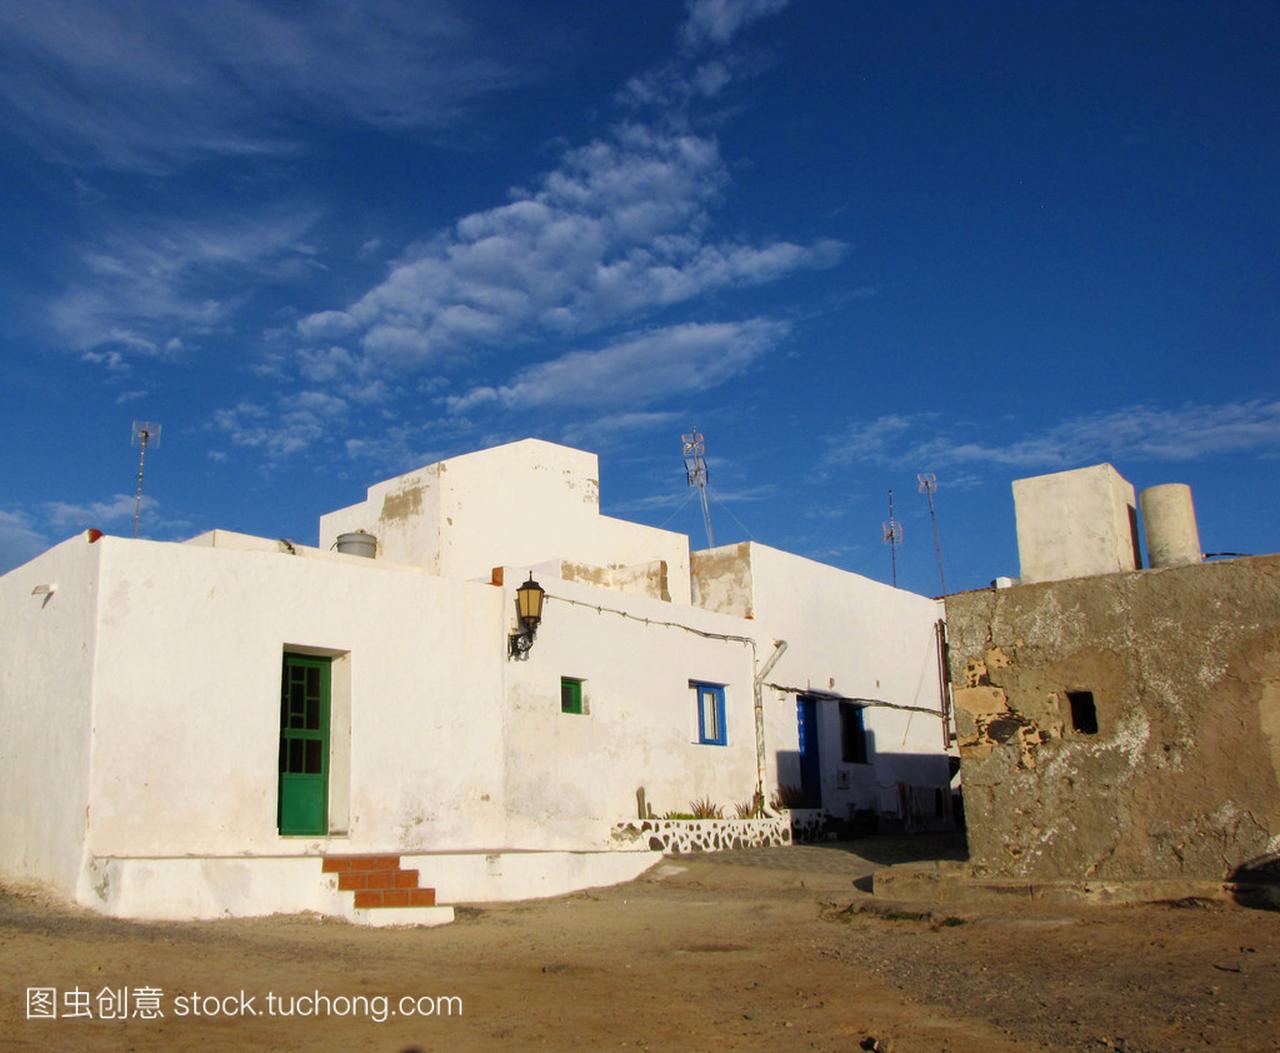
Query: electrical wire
721,504
688,496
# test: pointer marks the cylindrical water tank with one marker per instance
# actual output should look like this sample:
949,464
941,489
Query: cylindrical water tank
1169,523
357,543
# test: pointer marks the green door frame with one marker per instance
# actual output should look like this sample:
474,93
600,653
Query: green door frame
302,799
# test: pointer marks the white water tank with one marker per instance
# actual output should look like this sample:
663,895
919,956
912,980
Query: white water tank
1169,524
357,543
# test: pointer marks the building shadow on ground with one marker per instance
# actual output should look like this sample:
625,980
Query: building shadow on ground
887,849
1257,882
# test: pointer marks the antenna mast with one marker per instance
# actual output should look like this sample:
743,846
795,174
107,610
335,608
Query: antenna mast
929,486
893,538
694,447
145,433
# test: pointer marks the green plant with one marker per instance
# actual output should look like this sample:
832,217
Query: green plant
787,796
751,809
678,815
704,808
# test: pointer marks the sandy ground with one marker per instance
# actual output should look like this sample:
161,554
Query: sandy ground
773,949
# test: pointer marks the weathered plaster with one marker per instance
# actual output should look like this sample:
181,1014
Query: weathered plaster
722,579
1182,778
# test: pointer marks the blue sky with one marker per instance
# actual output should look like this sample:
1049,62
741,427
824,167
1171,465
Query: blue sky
326,243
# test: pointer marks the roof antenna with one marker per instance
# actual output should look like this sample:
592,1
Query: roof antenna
929,486
893,538
694,446
145,433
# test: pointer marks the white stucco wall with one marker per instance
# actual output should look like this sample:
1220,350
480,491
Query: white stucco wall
1076,523
570,777
46,712
190,643
523,503
403,513
846,636
140,705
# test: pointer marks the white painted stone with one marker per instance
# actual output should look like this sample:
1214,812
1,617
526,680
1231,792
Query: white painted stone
849,638
1169,524
1075,524
139,703
516,505
402,917
493,877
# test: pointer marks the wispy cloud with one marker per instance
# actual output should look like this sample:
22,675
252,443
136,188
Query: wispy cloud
1138,433
718,21
618,229
302,420
147,86
678,495
19,540
149,286
115,509
602,431
639,369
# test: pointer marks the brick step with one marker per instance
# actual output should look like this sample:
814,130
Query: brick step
378,881
414,897
341,864
355,880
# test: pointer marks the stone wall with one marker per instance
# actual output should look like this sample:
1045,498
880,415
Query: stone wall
682,836
1121,727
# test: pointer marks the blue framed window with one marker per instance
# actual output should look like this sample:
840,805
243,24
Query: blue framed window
709,699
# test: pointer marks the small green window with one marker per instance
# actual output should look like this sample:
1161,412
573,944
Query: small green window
570,695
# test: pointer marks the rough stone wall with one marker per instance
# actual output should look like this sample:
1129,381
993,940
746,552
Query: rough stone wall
1182,777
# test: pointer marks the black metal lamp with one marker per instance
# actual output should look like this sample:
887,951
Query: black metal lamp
529,608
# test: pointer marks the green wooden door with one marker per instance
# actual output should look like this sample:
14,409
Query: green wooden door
303,800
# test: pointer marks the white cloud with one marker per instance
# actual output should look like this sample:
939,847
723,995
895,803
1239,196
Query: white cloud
603,430
636,370
718,21
878,441
154,84
19,540
1138,433
115,509
303,419
679,496
147,284
618,229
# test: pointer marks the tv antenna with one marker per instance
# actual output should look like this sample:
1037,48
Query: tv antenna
929,486
145,433
694,448
893,538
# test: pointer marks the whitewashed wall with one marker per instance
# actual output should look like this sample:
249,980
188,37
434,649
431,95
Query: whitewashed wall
47,649
190,643
172,654
571,777
848,636
519,504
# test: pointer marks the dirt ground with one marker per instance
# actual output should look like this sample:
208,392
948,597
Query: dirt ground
773,949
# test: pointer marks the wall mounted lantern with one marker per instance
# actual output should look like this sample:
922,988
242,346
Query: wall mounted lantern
529,608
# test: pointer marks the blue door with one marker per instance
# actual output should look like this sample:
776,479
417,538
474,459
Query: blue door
807,733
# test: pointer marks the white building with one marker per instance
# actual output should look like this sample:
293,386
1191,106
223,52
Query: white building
186,729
